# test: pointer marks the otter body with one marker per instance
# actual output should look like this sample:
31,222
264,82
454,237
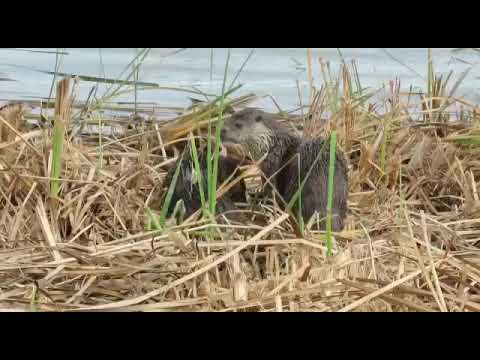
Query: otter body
188,189
264,136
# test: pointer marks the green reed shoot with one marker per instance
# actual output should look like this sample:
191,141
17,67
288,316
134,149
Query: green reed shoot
295,196
198,172
57,152
168,197
213,173
331,174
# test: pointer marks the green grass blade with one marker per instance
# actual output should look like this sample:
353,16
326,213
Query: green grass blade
36,51
218,128
298,192
390,55
209,162
241,68
97,79
226,94
466,140
358,84
211,65
62,108
133,63
136,86
168,197
331,174
153,222
198,171
430,74
460,79
341,55
57,66
102,66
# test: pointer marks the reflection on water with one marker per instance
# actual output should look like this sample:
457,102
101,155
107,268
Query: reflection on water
269,71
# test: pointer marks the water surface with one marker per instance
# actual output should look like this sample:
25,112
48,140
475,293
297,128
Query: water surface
274,71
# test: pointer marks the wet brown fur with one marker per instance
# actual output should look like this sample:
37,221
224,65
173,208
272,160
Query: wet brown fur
263,135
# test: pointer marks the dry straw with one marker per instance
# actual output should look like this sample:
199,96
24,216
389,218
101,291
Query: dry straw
72,227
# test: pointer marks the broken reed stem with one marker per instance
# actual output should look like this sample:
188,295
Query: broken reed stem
62,114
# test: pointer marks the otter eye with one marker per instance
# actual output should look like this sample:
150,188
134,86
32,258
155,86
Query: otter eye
238,125
258,118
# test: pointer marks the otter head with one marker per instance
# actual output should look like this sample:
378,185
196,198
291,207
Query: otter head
253,129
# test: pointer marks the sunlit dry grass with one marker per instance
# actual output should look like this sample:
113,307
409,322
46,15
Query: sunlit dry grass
411,242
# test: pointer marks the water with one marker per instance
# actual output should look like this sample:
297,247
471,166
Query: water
269,71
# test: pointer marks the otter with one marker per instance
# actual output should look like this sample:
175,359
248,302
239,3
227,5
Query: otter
262,135
188,190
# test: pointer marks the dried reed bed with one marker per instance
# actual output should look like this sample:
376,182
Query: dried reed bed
411,241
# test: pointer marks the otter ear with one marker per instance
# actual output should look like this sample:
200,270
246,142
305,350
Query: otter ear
258,118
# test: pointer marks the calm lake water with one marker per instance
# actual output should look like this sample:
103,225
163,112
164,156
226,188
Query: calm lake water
269,71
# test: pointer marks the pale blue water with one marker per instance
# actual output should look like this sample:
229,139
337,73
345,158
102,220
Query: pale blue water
269,71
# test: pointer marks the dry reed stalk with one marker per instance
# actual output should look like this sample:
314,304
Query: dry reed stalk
381,291
192,275
13,118
47,231
413,232
389,298
62,118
